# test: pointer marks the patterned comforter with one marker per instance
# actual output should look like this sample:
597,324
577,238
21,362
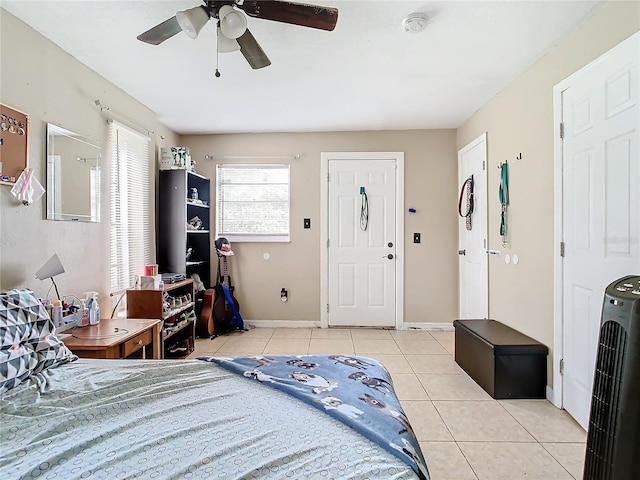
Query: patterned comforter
355,390
194,420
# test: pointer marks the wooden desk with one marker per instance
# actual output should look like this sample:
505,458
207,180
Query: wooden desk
116,338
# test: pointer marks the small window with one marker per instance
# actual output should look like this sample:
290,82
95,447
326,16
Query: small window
253,203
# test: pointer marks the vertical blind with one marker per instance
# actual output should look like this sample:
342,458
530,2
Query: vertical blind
96,196
129,207
252,202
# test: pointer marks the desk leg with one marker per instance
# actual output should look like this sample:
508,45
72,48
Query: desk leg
156,341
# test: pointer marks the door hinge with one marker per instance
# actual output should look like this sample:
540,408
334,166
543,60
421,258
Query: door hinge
562,366
562,249
327,177
561,129
484,243
327,308
327,243
483,165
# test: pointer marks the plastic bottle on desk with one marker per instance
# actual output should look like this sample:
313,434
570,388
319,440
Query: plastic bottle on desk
94,308
57,313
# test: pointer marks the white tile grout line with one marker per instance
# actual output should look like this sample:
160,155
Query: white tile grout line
467,460
538,442
438,412
553,456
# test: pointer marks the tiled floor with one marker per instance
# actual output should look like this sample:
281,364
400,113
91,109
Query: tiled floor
463,432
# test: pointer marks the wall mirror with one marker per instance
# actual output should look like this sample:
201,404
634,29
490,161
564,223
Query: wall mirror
73,176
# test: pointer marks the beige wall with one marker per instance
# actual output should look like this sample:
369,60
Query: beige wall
520,120
431,274
40,79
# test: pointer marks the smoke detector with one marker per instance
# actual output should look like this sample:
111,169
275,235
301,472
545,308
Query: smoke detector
414,22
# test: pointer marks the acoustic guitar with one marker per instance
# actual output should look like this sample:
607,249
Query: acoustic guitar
226,315
205,327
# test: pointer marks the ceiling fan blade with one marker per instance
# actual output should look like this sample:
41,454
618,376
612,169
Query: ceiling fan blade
252,51
314,16
161,32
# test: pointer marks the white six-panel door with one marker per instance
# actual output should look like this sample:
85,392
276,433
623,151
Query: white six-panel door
362,251
472,251
601,207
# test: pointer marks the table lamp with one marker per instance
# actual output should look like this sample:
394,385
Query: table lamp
50,269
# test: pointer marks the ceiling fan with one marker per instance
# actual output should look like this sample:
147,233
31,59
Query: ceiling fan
233,33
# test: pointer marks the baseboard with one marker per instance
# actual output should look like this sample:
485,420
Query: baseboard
551,396
430,326
283,323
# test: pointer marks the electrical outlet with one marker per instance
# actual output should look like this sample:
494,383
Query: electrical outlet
416,237
307,223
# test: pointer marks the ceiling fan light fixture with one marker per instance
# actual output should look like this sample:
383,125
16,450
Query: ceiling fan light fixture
225,44
232,22
191,21
415,22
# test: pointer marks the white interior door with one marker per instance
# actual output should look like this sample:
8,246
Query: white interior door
362,242
601,206
472,252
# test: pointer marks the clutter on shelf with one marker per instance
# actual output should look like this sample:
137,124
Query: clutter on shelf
176,158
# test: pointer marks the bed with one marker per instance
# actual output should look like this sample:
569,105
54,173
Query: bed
276,417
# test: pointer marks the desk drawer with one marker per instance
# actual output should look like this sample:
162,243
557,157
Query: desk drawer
136,343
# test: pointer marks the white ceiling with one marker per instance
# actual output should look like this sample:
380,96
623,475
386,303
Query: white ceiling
368,74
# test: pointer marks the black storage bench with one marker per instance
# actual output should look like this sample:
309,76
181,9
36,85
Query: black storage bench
503,361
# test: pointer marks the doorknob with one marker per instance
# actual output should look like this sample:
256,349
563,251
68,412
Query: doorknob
390,256
462,252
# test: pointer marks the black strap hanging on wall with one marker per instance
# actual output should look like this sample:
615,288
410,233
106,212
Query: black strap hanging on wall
364,210
467,187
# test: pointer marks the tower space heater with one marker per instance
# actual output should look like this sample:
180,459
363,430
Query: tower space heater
613,441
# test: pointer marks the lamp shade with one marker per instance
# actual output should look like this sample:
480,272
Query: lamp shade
232,22
226,44
191,21
50,269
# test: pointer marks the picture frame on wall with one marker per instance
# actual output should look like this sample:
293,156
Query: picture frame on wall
14,143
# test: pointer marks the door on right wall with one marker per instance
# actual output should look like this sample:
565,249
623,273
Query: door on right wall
472,230
601,206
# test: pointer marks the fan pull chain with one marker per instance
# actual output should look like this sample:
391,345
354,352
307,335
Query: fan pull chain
217,56
217,52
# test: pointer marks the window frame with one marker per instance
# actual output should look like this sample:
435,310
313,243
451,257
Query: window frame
248,237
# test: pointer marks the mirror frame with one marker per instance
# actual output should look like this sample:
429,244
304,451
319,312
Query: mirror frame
54,177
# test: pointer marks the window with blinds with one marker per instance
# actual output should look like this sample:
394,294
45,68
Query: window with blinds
130,205
252,203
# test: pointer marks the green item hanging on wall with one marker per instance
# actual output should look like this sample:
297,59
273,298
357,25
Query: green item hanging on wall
503,194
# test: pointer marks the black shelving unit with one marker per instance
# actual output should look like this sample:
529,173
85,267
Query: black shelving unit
176,207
